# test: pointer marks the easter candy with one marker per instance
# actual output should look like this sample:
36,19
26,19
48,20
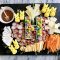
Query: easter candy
32,28
37,28
19,35
13,27
17,19
52,14
25,21
44,8
20,31
19,27
40,38
16,45
13,50
21,15
14,24
46,14
28,21
53,11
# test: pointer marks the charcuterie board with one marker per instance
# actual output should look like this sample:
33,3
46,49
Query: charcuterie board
29,29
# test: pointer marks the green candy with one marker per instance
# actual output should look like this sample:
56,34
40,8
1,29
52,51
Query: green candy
26,21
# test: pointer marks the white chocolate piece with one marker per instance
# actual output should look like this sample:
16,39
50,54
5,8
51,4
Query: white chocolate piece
6,37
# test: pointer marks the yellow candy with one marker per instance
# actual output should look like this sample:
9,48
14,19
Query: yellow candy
44,8
52,14
39,23
32,28
21,15
17,17
29,28
28,21
17,20
13,50
47,12
16,45
53,11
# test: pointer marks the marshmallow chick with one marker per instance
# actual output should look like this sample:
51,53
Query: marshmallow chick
16,45
13,50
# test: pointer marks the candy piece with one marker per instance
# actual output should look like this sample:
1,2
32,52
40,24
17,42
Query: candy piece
13,27
47,12
44,8
16,44
17,19
12,49
6,37
14,24
53,11
32,28
21,15
19,27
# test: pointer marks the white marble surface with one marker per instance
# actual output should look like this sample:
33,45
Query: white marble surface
28,58
28,1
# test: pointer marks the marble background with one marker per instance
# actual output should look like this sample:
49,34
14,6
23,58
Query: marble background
28,1
28,57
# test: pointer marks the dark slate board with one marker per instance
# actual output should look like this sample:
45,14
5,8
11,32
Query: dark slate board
4,50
